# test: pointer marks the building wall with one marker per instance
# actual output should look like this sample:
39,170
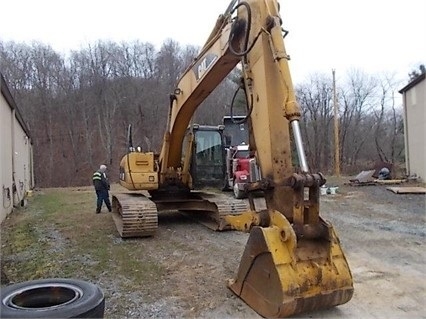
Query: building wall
5,157
22,163
16,167
415,128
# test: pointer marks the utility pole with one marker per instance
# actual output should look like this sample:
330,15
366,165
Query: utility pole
336,129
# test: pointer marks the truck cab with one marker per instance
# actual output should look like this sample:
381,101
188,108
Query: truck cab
241,167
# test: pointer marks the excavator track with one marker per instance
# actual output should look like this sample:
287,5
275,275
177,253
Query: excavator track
215,219
228,207
134,215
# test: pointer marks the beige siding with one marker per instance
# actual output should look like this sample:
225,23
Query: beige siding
22,163
16,169
415,129
6,157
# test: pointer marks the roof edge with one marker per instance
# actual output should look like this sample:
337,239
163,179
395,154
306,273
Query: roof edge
10,100
414,82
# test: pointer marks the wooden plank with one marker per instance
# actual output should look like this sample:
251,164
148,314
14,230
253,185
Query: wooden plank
407,190
389,181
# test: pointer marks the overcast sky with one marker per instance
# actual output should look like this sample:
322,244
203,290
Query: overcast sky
370,35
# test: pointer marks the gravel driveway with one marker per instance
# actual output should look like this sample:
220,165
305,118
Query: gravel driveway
182,271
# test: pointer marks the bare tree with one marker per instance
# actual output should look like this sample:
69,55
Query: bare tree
315,100
387,120
356,103
78,108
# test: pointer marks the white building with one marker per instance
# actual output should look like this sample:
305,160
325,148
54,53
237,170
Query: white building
414,100
16,157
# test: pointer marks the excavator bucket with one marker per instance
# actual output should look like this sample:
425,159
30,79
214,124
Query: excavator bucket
281,275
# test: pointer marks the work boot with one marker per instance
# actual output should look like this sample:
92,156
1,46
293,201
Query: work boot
110,209
98,210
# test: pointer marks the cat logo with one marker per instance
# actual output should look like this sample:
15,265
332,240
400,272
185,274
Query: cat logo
204,65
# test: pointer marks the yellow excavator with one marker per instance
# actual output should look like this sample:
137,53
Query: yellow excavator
293,261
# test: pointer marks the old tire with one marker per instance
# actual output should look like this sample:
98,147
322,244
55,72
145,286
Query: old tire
52,298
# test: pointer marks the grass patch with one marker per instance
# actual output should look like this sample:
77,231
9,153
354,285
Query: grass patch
59,235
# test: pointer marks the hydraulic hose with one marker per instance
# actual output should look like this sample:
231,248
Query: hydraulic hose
237,26
250,107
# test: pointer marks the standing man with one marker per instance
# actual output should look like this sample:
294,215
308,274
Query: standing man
102,187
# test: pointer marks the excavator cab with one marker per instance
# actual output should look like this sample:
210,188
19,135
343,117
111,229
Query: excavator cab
205,146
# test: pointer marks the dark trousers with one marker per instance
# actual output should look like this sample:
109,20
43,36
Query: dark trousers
102,196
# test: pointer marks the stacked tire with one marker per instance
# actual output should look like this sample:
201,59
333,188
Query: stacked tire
52,298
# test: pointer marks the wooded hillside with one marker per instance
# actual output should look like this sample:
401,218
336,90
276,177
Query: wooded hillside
78,107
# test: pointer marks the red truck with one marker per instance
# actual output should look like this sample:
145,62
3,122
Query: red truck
241,167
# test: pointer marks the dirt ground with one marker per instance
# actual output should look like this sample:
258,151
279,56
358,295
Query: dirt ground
186,265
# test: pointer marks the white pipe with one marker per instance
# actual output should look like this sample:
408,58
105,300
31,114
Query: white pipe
13,159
